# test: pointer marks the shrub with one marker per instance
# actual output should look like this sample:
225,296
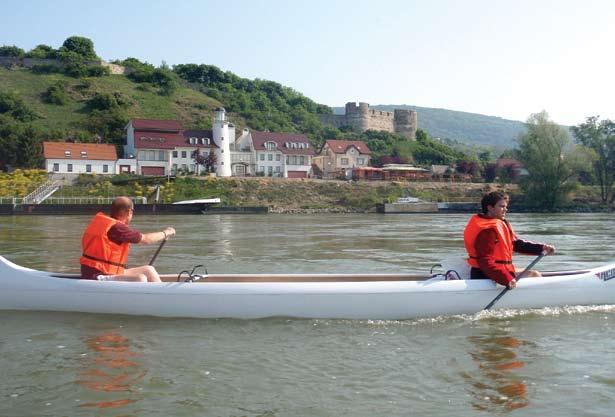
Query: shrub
45,69
56,94
98,71
12,51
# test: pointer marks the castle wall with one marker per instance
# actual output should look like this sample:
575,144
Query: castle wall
362,118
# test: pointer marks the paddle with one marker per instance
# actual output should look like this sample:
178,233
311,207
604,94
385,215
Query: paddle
158,251
534,262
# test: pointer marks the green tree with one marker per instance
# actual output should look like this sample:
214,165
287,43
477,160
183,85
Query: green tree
546,152
12,105
81,46
14,51
42,52
599,136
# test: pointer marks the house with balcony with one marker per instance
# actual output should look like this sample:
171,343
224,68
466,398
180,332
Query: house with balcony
285,155
164,147
79,158
338,158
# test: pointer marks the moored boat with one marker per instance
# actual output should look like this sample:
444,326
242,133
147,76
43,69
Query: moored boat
336,296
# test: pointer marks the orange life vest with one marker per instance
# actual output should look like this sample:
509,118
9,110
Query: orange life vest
503,251
99,251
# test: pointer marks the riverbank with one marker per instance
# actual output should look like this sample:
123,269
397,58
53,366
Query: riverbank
301,196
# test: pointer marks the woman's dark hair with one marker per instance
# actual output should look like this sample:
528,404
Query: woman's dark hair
492,199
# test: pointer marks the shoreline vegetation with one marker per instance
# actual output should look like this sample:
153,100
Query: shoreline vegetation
284,196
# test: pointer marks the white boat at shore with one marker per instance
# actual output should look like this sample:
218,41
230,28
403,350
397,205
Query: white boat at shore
200,201
334,296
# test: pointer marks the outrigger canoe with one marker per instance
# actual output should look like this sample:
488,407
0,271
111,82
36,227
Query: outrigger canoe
334,296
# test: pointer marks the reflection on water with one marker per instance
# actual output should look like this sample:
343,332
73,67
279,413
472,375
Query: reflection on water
112,370
496,386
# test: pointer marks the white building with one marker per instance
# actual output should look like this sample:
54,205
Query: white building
287,155
163,147
223,135
80,158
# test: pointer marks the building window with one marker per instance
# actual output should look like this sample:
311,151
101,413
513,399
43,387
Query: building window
184,154
302,160
66,154
293,160
261,169
162,156
56,167
69,167
184,167
84,154
269,171
142,155
174,169
344,161
192,168
270,157
105,168
360,161
88,168
262,157
277,156
287,159
174,154
152,155
277,169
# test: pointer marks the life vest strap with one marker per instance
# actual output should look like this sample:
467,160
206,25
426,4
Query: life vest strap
103,260
497,262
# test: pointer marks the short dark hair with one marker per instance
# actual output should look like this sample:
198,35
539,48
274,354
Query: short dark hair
121,206
491,199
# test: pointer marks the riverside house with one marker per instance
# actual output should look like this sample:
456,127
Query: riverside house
287,155
338,157
79,158
163,147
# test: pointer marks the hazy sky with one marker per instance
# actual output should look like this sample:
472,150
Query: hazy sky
495,57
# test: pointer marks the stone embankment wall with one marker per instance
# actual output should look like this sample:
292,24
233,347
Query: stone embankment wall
10,62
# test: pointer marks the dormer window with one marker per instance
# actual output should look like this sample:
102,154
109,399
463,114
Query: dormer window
84,154
67,154
270,146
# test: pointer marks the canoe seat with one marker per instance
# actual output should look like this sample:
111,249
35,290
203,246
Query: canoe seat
456,267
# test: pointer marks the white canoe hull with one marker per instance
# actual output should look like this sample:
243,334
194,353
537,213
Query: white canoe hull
27,289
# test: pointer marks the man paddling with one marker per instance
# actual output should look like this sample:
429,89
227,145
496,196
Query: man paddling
490,242
106,243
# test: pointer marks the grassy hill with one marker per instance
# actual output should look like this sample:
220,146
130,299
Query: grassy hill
469,128
192,108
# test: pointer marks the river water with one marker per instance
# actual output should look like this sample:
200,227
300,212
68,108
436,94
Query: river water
522,363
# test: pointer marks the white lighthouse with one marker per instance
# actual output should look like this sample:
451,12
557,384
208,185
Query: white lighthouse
222,139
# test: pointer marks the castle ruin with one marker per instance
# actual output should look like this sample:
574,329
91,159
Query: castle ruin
362,118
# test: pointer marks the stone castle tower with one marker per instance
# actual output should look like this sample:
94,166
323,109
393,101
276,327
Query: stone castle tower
362,118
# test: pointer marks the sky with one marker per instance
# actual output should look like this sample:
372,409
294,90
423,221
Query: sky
494,57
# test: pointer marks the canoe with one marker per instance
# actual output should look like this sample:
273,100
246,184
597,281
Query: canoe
335,296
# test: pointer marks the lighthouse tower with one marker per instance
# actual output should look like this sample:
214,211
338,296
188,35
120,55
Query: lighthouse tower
222,139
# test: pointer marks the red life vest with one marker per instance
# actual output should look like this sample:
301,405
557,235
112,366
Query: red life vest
503,251
99,251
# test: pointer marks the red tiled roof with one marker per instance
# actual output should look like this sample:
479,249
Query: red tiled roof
158,125
284,142
341,146
506,162
159,140
93,151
